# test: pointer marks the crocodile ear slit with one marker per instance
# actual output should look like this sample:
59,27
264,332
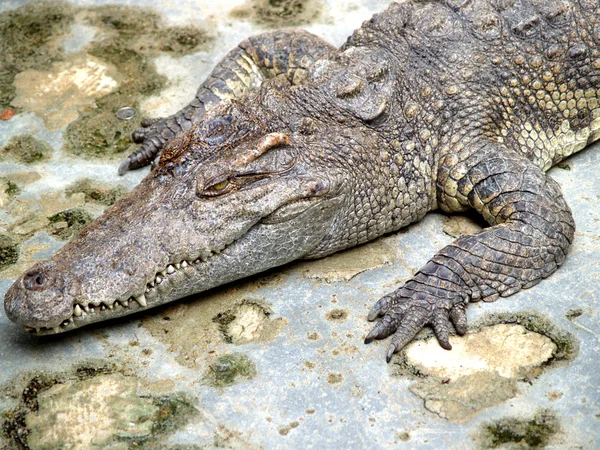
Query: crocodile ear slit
366,94
352,88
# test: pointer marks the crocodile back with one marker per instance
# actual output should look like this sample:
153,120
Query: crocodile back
525,74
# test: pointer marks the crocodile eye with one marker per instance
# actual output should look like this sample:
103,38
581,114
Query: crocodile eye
220,188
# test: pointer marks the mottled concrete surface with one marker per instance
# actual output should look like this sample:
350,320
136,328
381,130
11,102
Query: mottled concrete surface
276,361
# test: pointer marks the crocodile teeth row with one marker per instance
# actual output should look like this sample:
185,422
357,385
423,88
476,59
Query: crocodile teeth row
64,324
163,275
173,268
80,310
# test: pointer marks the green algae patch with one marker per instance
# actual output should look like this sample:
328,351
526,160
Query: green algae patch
485,366
14,427
30,215
248,321
12,190
90,370
279,13
25,149
228,369
171,413
28,41
95,192
8,191
98,135
181,40
131,37
529,433
142,30
83,90
92,407
574,313
567,346
67,223
9,251
109,401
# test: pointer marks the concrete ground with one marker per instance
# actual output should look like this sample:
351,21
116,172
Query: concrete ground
275,361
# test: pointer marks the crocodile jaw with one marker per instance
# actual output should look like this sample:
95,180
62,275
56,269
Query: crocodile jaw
257,250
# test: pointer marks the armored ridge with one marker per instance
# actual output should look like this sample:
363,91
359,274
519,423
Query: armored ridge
293,150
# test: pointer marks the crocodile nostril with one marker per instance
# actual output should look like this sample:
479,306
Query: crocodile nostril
35,280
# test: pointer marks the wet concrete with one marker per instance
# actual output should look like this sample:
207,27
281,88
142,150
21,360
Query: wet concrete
276,361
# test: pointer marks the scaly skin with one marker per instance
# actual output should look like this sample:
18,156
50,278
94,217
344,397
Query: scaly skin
287,53
450,105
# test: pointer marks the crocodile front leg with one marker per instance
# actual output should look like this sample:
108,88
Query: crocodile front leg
287,53
532,228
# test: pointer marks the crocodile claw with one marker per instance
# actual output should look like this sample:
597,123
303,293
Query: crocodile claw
380,308
153,136
403,317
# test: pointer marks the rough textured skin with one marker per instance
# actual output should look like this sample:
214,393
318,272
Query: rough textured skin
450,105
281,53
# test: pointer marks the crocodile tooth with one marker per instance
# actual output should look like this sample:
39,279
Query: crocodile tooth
77,311
110,306
151,284
178,266
158,280
92,309
86,309
103,307
66,323
125,303
170,269
163,273
184,264
197,261
29,328
141,299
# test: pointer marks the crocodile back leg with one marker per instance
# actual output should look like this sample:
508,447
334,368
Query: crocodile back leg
288,53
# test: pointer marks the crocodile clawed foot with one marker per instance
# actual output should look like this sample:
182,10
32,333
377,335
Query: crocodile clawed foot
153,136
403,317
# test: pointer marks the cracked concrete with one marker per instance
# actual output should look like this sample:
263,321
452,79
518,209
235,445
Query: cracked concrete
284,349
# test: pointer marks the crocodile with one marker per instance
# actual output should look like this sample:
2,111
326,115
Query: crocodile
293,149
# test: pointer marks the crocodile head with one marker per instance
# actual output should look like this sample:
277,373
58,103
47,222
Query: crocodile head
237,194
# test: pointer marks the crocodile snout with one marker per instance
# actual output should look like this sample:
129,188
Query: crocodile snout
36,299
